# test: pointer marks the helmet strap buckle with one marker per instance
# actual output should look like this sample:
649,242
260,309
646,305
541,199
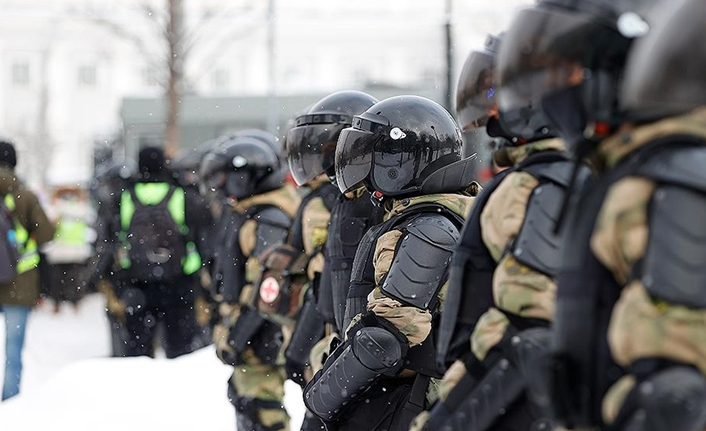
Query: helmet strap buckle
377,198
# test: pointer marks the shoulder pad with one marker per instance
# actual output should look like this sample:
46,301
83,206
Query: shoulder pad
272,228
557,172
272,216
435,229
421,262
682,167
672,268
537,245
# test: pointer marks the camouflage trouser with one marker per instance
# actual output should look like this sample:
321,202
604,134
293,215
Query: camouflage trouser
258,390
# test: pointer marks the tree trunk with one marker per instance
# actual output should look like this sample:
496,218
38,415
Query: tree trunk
175,32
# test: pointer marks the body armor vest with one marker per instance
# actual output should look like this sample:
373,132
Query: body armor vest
420,358
470,292
582,368
228,270
350,220
328,193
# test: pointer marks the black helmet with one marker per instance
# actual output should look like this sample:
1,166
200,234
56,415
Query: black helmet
311,143
568,57
475,100
266,137
476,90
190,158
241,166
111,178
404,145
117,169
666,69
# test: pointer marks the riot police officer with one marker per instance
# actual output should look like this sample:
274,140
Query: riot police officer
406,151
260,208
501,296
111,179
311,147
620,359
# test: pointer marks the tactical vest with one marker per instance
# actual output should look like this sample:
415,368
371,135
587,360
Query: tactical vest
26,244
350,219
419,358
583,369
470,292
228,271
328,193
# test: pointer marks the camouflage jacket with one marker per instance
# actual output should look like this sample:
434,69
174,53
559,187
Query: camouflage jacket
414,323
641,326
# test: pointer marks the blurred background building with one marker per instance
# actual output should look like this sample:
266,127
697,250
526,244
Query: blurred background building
83,79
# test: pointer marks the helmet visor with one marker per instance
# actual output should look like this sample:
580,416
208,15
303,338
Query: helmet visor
666,69
311,150
476,92
354,155
545,52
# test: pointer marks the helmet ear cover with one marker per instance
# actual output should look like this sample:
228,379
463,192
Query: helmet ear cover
239,183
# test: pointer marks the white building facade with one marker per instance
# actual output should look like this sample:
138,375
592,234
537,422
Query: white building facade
66,65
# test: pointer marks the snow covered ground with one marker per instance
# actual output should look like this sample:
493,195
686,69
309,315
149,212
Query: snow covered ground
69,383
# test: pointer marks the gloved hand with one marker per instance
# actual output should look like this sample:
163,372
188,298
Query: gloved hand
221,333
204,310
295,372
114,305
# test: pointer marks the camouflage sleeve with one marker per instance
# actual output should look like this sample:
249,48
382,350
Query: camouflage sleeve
640,326
315,221
413,322
502,217
247,239
620,236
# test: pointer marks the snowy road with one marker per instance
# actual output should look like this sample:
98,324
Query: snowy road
69,383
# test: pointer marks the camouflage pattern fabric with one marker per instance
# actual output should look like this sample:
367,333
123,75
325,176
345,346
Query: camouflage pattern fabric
641,326
315,222
511,156
262,382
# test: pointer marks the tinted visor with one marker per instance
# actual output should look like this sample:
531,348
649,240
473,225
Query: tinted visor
477,143
354,155
211,166
546,51
666,70
476,92
311,150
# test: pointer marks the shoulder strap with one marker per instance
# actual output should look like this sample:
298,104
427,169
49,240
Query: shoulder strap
296,235
329,195
427,207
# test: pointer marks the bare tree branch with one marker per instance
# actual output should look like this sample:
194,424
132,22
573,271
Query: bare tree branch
218,48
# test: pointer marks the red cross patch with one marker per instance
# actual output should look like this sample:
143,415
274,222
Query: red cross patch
269,290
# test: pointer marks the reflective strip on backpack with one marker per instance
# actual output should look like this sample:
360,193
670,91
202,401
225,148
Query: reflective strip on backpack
26,245
192,261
